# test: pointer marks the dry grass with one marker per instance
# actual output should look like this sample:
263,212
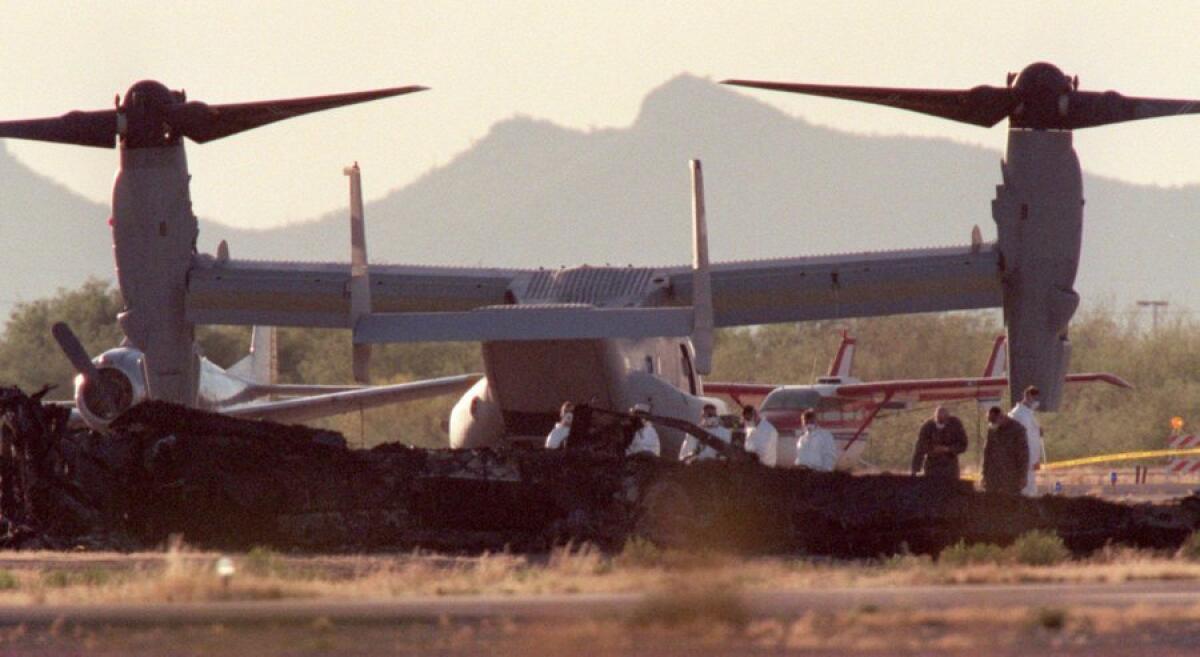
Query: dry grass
180,575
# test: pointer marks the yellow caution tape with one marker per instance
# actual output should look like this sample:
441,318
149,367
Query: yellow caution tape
1123,456
1109,458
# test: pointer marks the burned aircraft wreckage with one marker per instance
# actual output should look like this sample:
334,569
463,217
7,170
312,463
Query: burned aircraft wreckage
234,483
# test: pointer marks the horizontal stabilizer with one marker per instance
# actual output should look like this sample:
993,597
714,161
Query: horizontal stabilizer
303,409
524,323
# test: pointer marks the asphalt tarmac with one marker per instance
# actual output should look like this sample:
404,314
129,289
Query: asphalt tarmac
579,606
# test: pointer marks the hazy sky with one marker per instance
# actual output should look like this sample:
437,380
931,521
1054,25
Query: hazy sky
578,64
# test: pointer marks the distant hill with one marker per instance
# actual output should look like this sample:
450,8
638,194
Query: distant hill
533,193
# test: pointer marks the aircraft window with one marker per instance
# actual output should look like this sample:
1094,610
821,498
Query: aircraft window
687,368
791,400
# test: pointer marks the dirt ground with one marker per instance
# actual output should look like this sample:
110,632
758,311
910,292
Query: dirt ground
863,632
675,618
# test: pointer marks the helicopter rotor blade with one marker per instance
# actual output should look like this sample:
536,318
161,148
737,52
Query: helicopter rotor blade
203,123
97,129
983,106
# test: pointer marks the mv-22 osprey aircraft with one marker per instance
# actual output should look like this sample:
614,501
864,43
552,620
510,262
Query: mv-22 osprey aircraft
618,336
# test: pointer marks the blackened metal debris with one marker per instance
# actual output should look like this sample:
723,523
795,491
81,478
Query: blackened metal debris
230,483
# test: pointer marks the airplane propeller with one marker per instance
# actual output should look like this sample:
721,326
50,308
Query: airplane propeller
1040,97
152,115
73,348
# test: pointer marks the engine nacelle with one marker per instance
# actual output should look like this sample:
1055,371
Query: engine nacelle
1039,221
476,419
123,371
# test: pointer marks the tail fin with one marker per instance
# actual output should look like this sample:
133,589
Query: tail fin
844,360
360,281
702,308
997,363
261,365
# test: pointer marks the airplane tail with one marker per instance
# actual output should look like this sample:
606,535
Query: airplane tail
844,360
997,364
261,365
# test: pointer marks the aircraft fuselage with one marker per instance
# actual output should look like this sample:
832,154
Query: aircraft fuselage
527,382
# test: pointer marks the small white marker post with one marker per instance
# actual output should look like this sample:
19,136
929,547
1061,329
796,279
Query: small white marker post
225,571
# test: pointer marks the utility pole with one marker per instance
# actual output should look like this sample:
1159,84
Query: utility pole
1155,307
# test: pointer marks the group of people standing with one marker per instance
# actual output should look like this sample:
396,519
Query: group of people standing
1011,456
758,436
577,422
815,447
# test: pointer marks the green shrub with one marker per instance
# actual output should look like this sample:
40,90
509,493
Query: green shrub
8,581
56,579
1039,548
961,554
59,579
263,561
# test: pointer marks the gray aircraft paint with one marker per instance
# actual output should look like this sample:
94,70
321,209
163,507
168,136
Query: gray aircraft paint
154,237
606,319
531,379
154,243
1039,220
1039,207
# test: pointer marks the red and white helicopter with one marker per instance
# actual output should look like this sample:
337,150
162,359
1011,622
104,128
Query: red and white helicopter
846,405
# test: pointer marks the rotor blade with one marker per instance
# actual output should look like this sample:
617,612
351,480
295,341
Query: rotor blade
983,106
97,128
1090,108
202,123
74,350
78,356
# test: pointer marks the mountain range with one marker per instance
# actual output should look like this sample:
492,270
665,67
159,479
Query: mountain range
532,193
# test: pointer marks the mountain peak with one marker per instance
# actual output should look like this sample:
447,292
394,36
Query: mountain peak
691,97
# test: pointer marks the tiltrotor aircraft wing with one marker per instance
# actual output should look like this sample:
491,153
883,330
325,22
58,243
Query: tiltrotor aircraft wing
1039,207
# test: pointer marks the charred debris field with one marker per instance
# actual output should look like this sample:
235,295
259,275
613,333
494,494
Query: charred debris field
233,484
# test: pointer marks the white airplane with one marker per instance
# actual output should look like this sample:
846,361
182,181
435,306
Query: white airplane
847,405
239,391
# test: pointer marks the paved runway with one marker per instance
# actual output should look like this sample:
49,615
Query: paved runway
434,609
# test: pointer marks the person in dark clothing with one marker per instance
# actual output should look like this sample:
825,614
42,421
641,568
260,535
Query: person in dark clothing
941,439
1005,455
582,432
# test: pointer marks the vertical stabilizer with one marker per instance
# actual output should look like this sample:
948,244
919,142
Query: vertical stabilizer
360,279
998,362
261,365
843,362
702,306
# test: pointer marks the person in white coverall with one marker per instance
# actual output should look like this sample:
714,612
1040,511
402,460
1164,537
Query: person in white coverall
645,438
558,435
762,439
692,449
1023,413
815,448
